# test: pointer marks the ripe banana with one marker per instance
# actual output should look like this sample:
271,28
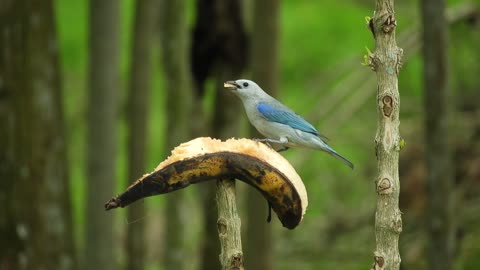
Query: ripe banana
205,159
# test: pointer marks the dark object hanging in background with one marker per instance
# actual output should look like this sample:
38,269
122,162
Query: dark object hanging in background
218,38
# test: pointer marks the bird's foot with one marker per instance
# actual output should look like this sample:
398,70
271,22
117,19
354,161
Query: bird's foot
269,141
285,148
265,141
281,141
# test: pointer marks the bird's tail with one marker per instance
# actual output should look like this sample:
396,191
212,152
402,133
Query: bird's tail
334,153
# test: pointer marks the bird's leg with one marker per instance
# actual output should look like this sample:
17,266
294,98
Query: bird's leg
265,141
285,148
282,141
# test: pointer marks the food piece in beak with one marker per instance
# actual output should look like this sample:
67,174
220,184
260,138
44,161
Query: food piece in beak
231,85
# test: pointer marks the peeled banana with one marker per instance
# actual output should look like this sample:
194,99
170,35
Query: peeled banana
204,159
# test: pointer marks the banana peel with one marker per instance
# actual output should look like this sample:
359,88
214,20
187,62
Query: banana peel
205,159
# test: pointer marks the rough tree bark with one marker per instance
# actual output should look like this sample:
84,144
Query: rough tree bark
102,131
438,154
35,220
264,60
385,61
138,105
175,52
228,225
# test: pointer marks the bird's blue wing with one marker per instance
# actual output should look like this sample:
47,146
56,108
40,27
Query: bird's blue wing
287,118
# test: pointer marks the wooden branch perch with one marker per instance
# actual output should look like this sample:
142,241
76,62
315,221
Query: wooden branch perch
228,225
386,62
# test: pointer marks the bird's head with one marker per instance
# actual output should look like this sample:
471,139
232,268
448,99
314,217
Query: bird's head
243,88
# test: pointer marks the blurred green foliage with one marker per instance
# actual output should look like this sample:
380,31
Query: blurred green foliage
318,39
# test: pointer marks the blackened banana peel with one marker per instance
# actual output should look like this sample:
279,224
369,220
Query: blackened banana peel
206,159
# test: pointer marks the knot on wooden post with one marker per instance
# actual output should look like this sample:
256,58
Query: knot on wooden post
384,186
374,61
387,105
397,222
378,261
389,24
222,226
236,262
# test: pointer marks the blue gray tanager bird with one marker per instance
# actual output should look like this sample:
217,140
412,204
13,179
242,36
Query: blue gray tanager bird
277,122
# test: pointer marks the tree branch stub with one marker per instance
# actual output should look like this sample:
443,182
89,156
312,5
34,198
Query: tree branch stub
384,186
378,261
387,105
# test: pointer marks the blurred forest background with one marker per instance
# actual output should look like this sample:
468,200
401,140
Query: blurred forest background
95,93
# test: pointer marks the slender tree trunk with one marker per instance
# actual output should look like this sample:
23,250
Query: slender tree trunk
385,61
438,154
138,106
175,52
102,131
11,93
264,59
35,221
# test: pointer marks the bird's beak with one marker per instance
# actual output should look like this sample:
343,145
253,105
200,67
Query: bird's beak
231,85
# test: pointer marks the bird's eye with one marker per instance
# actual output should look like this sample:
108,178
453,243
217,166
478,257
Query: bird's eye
245,84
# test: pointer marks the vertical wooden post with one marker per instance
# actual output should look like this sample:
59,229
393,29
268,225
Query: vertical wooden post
228,224
385,61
